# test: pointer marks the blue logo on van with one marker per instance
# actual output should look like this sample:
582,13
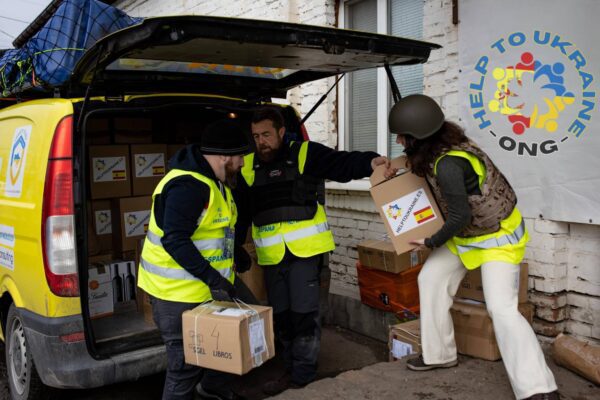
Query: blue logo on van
16,156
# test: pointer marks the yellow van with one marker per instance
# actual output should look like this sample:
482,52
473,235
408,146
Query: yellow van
155,83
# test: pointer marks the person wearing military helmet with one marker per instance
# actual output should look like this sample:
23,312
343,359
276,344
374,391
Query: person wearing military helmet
483,229
188,255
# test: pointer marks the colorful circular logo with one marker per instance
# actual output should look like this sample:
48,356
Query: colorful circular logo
533,92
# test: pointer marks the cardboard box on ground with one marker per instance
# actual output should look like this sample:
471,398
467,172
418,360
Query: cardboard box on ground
473,332
406,206
228,337
404,339
471,286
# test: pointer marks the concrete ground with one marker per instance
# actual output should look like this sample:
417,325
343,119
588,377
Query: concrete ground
352,366
473,379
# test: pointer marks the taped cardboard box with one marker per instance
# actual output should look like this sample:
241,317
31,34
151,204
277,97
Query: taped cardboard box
149,166
381,255
224,337
406,206
109,172
131,217
405,339
474,330
471,287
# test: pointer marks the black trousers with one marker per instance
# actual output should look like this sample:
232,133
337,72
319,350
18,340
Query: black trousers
181,378
293,290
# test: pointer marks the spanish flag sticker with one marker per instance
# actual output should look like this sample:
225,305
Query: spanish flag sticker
424,214
118,175
158,170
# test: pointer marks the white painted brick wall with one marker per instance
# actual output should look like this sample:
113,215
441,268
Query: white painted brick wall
564,258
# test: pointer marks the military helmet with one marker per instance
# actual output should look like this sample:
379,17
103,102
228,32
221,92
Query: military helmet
416,115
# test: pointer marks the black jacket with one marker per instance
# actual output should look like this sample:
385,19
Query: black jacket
321,162
177,211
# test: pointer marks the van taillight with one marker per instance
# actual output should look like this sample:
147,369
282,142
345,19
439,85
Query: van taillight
58,216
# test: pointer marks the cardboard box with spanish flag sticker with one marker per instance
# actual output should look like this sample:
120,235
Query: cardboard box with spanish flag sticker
228,337
148,165
406,205
131,217
109,171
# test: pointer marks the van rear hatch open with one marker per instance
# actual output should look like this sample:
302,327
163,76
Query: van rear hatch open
165,71
235,57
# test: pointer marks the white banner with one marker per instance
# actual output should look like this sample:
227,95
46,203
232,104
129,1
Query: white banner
529,93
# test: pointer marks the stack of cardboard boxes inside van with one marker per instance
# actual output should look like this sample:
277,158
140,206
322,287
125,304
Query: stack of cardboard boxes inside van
124,169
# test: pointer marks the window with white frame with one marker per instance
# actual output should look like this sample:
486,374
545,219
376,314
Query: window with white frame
365,96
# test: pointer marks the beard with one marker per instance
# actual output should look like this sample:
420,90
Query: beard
231,175
266,153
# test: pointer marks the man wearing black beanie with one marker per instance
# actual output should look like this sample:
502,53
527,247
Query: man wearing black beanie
188,254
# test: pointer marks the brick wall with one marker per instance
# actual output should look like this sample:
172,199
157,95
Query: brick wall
564,258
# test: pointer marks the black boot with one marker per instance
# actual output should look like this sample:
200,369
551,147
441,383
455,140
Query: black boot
222,393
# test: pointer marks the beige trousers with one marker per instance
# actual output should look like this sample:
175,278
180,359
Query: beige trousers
519,347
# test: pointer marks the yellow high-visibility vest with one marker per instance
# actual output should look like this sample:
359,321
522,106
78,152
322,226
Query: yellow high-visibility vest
161,276
507,244
305,238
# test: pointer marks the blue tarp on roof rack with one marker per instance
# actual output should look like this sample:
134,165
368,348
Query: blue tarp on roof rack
48,58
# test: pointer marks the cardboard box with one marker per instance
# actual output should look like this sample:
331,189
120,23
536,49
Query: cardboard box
474,331
254,278
405,339
100,293
149,165
406,206
133,130
98,131
223,337
386,291
100,259
471,286
381,255
131,219
109,172
100,218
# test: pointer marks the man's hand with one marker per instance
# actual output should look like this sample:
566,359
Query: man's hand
381,160
223,290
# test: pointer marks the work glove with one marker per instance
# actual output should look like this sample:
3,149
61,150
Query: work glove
242,259
222,290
